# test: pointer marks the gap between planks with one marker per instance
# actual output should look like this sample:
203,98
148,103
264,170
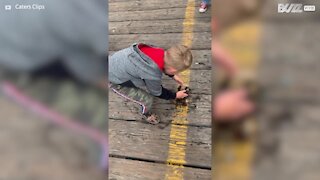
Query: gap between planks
195,166
161,123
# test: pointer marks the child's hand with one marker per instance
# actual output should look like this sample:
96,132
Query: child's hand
181,94
232,105
178,79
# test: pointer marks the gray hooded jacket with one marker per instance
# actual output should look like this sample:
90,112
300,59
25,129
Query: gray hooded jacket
131,64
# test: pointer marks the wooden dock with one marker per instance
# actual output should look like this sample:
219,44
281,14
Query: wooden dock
290,114
180,146
233,156
284,145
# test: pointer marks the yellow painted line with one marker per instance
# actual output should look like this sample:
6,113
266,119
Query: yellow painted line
178,134
232,158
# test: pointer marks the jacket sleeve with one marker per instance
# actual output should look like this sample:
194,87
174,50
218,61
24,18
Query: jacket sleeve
156,89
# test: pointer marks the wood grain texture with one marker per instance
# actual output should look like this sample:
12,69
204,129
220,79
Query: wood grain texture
201,40
199,112
155,26
156,14
139,150
140,5
140,170
145,141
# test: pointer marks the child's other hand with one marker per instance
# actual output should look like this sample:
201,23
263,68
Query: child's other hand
181,94
178,79
223,59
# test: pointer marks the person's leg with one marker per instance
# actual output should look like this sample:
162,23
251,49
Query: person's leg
134,94
139,96
206,1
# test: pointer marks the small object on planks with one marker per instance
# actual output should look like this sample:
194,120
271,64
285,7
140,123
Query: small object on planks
184,101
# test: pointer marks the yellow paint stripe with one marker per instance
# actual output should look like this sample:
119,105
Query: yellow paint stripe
179,128
233,158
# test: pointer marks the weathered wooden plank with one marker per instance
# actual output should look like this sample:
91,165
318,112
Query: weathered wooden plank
298,79
294,67
199,118
199,109
156,26
36,148
293,138
201,41
139,5
145,141
161,24
201,60
203,117
199,100
289,70
300,115
124,169
307,116
279,54
172,13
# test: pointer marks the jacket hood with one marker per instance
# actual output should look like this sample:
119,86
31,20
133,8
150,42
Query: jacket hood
147,67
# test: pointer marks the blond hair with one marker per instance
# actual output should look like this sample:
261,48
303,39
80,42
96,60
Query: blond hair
178,57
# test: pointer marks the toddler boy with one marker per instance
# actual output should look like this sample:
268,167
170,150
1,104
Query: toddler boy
135,73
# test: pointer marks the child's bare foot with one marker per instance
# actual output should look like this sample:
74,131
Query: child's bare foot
152,118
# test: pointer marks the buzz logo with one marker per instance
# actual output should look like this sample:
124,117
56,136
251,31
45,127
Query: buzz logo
290,8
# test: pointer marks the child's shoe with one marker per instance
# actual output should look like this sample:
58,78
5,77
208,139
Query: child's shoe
203,7
152,118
